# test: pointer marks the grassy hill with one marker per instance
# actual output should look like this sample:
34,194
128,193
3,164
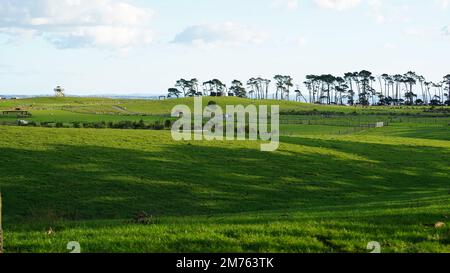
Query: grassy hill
164,107
140,191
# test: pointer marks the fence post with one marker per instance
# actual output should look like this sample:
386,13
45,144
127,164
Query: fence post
1,230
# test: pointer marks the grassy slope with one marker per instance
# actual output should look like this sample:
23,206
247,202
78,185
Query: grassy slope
318,193
152,107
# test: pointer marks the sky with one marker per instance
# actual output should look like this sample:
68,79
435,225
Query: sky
132,47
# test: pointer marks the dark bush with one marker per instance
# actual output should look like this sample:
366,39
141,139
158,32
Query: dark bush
144,218
168,124
139,125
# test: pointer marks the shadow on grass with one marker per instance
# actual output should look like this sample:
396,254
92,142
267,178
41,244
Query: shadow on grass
432,132
97,183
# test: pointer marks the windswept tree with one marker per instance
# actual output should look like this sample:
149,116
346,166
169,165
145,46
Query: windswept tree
365,78
437,98
193,88
398,80
238,89
214,88
309,86
385,77
349,77
219,87
428,85
254,85
266,85
341,89
188,87
173,92
208,88
184,85
283,85
289,83
279,83
421,80
447,82
353,88
260,87
316,84
328,85
409,79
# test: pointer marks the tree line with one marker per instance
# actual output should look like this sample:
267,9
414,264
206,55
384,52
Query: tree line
353,88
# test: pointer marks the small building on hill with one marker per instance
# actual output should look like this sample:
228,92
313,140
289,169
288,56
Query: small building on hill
59,91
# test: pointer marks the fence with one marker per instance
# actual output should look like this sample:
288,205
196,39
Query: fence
325,121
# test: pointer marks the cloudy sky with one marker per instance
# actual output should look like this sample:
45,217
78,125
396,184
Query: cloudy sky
143,46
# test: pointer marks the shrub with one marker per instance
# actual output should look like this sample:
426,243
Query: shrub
144,218
125,125
100,125
139,125
168,124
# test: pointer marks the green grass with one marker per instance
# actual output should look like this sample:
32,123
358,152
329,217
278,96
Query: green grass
68,116
327,189
312,130
155,107
316,194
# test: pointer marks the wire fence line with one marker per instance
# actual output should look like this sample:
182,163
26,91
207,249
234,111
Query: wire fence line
334,122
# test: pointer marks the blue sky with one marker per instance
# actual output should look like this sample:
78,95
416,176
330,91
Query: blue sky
143,46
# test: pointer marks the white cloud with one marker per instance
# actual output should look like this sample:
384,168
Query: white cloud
446,31
389,45
425,32
301,41
77,23
338,4
383,11
376,10
222,34
296,41
286,4
419,32
444,4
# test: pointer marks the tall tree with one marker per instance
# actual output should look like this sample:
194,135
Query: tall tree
253,84
398,79
409,79
238,89
185,85
219,87
447,82
366,78
279,83
312,83
288,83
207,88
193,90
349,77
173,92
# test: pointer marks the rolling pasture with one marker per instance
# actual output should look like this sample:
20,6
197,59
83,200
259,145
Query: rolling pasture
329,187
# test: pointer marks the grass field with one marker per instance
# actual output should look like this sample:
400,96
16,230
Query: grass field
327,189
